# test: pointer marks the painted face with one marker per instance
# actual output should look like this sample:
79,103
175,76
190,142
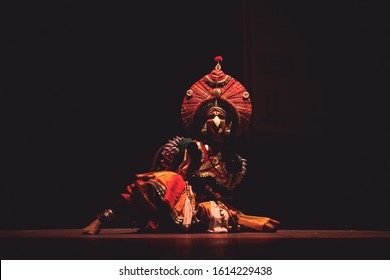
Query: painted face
216,127
216,121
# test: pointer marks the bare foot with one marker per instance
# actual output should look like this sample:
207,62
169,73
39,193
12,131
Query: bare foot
93,228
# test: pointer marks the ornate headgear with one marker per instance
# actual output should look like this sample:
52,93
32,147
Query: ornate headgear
215,87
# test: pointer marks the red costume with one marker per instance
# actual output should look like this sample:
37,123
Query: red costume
189,185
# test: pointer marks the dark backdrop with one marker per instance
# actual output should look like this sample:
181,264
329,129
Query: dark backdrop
91,90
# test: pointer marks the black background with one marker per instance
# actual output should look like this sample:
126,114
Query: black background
91,90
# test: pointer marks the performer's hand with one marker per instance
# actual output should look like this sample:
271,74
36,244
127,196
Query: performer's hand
271,226
195,155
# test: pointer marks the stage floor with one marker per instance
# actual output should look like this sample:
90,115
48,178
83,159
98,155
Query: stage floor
119,243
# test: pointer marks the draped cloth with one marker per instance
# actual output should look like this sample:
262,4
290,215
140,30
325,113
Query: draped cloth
162,200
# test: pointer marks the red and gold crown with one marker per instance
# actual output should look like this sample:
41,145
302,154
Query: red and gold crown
212,88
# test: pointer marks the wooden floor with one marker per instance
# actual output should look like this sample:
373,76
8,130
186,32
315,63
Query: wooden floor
121,243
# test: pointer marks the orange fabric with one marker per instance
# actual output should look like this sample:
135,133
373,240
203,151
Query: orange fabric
145,205
141,194
173,183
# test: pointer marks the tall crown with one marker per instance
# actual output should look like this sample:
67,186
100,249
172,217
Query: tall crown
214,87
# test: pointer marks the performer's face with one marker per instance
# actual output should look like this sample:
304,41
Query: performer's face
216,124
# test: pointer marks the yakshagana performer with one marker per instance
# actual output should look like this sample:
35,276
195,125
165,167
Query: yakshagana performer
188,186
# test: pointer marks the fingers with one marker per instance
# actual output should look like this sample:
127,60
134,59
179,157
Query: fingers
274,222
271,226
